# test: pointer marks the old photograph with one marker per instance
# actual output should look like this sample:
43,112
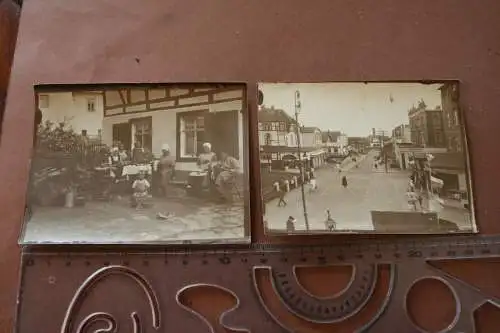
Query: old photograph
139,164
364,158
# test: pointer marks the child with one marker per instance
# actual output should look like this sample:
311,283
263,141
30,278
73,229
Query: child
141,188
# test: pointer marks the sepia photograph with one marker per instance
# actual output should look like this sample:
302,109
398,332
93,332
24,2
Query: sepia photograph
363,157
139,164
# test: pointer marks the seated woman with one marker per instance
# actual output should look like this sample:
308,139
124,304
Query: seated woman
227,169
141,188
123,153
206,161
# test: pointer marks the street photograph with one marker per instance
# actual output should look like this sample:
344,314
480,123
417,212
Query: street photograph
139,164
364,158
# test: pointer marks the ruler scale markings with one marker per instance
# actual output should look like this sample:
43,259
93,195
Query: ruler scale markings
408,257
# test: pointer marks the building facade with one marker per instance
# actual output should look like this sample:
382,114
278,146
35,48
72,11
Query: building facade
335,142
278,139
451,118
426,127
402,134
152,117
82,111
311,137
359,144
276,128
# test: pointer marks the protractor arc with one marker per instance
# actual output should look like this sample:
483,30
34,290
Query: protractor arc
325,309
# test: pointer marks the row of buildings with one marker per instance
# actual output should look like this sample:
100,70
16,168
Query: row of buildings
433,143
184,117
281,139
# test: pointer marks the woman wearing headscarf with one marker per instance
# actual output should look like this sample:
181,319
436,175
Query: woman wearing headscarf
166,166
206,161
228,168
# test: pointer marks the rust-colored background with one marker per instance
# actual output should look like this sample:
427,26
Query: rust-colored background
125,41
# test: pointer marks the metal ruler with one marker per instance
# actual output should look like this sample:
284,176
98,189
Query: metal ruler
80,290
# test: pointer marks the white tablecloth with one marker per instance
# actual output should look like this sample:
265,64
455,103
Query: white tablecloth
131,170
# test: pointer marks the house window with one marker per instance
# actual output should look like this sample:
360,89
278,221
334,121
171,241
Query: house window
267,139
261,126
43,101
142,132
91,104
282,127
192,133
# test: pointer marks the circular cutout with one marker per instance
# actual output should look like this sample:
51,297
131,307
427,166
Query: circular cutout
431,305
334,279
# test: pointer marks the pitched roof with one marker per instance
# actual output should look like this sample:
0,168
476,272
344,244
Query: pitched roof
332,135
309,129
272,114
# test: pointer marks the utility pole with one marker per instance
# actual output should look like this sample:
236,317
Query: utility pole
381,134
301,167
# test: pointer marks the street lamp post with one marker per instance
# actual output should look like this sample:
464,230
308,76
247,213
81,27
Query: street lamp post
429,158
381,134
301,167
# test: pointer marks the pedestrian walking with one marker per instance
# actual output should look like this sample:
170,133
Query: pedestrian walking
281,194
314,185
330,223
344,181
290,224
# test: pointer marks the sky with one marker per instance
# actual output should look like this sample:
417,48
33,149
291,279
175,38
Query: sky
353,108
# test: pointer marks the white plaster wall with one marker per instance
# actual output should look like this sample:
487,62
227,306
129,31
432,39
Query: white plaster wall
72,109
277,138
165,124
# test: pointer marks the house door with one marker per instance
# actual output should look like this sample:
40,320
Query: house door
221,130
122,133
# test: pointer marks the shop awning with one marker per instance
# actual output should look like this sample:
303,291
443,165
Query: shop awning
436,182
449,161
317,152
285,149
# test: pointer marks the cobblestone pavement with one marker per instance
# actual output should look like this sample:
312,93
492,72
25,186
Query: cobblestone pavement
368,189
116,222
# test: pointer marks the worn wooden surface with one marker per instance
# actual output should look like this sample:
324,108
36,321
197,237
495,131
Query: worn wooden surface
99,41
9,20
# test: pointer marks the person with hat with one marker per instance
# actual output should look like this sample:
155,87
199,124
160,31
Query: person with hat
206,161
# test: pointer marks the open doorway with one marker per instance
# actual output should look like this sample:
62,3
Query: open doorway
122,133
